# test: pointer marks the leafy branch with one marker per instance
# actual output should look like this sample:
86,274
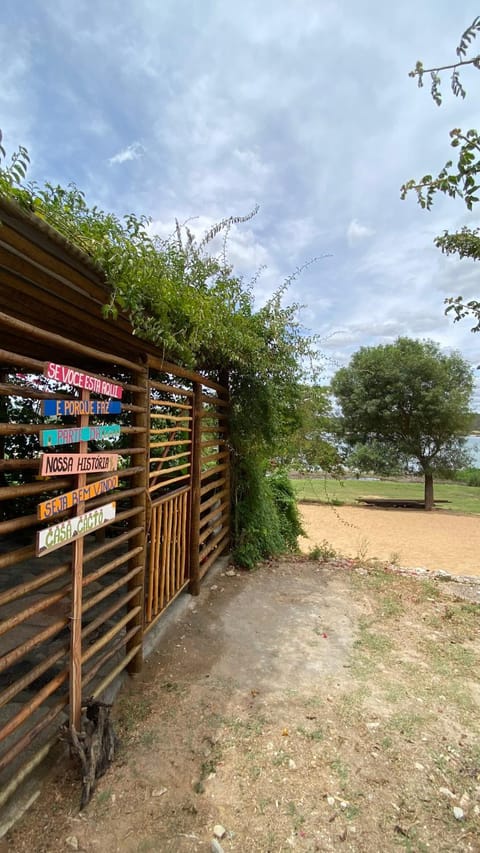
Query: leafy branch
460,179
462,182
462,50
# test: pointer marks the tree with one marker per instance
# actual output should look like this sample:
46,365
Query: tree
410,398
456,180
310,444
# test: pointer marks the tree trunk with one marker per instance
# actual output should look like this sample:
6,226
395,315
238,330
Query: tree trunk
429,502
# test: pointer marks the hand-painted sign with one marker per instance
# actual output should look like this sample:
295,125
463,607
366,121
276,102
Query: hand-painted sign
62,502
70,435
54,464
88,381
56,408
67,531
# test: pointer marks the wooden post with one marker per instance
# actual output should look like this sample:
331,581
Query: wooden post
75,685
140,480
225,381
194,586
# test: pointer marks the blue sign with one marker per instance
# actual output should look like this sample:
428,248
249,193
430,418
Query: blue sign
55,408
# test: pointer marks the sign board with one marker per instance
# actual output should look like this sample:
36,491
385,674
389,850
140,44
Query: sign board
62,502
56,408
88,381
70,435
67,531
56,464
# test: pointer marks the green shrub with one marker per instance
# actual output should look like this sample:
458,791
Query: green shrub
469,476
266,516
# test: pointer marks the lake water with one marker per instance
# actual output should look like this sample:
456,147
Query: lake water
473,445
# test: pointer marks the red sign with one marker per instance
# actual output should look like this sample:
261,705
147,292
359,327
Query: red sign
88,381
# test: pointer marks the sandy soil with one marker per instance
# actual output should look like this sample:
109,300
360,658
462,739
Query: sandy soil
305,706
410,538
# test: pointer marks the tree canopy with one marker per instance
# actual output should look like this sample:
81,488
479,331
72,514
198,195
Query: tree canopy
409,398
459,178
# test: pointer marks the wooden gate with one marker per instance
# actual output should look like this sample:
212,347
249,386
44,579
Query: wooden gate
188,482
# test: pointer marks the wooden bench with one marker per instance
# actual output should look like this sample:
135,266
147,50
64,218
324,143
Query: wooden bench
404,503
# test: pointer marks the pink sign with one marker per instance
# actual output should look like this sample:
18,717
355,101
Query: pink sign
88,381
56,464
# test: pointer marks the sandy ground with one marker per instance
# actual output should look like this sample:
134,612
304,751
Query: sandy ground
410,538
301,707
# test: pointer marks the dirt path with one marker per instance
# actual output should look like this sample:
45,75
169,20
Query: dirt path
436,540
300,707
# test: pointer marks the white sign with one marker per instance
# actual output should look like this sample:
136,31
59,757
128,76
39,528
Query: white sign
67,531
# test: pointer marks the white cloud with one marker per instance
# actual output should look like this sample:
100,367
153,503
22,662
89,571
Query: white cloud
357,232
131,152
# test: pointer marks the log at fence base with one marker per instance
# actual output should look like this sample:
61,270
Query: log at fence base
95,747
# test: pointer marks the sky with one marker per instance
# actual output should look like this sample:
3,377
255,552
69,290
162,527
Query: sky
202,109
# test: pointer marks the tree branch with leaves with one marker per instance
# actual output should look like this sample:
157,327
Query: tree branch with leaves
460,177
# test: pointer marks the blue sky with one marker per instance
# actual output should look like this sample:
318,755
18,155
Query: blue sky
204,109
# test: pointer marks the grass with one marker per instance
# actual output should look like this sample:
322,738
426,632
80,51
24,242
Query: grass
462,498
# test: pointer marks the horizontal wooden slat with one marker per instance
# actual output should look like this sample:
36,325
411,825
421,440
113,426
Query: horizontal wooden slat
216,484
171,404
170,389
34,673
166,483
37,333
221,547
23,589
100,643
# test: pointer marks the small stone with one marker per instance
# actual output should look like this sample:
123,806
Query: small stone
72,842
215,847
331,801
447,793
219,831
231,573
343,804
458,813
292,764
214,587
464,800
476,810
419,766
159,792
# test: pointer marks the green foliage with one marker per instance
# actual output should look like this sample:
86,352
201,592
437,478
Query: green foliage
376,458
191,305
409,398
286,507
266,514
462,182
469,476
310,445
459,179
323,552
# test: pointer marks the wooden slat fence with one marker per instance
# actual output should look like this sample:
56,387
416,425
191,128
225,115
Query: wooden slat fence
70,621
73,617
